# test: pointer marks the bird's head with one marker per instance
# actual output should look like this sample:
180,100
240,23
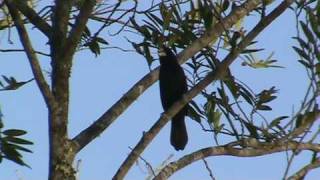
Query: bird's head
165,54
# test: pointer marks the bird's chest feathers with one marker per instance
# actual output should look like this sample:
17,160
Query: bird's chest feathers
170,70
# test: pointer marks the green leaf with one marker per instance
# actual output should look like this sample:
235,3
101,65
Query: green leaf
251,51
252,130
299,120
307,32
145,32
102,41
1,123
263,107
193,114
209,108
166,16
318,9
206,14
152,27
223,96
137,47
246,95
314,157
155,19
233,86
6,79
86,32
302,43
176,14
20,148
216,119
13,155
317,68
277,121
225,5
266,99
94,47
17,140
135,24
315,24
302,53
13,80
147,54
305,64
14,132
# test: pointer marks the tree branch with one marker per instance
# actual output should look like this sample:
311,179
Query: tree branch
33,17
90,133
304,171
31,54
60,20
228,150
22,50
80,24
219,73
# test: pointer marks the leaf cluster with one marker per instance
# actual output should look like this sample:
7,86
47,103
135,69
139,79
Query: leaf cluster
12,144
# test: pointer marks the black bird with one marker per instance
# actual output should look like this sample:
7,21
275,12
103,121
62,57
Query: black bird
172,86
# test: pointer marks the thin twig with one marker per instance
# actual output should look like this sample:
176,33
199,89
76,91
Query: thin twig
22,50
208,169
147,163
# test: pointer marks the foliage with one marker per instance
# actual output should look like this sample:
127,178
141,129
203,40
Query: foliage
229,108
11,144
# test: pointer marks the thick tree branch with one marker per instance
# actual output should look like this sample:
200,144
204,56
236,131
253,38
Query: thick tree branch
80,24
59,144
90,133
219,73
31,54
33,17
60,20
304,171
227,150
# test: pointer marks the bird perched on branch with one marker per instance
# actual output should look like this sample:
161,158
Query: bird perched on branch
172,86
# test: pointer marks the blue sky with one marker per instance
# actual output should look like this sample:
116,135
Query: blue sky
97,83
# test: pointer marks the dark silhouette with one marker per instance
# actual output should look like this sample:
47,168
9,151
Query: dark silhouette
172,86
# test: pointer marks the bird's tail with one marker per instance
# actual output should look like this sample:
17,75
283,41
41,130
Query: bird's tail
179,136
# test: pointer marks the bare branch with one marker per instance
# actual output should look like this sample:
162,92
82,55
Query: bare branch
31,54
228,150
90,133
304,171
22,50
33,17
